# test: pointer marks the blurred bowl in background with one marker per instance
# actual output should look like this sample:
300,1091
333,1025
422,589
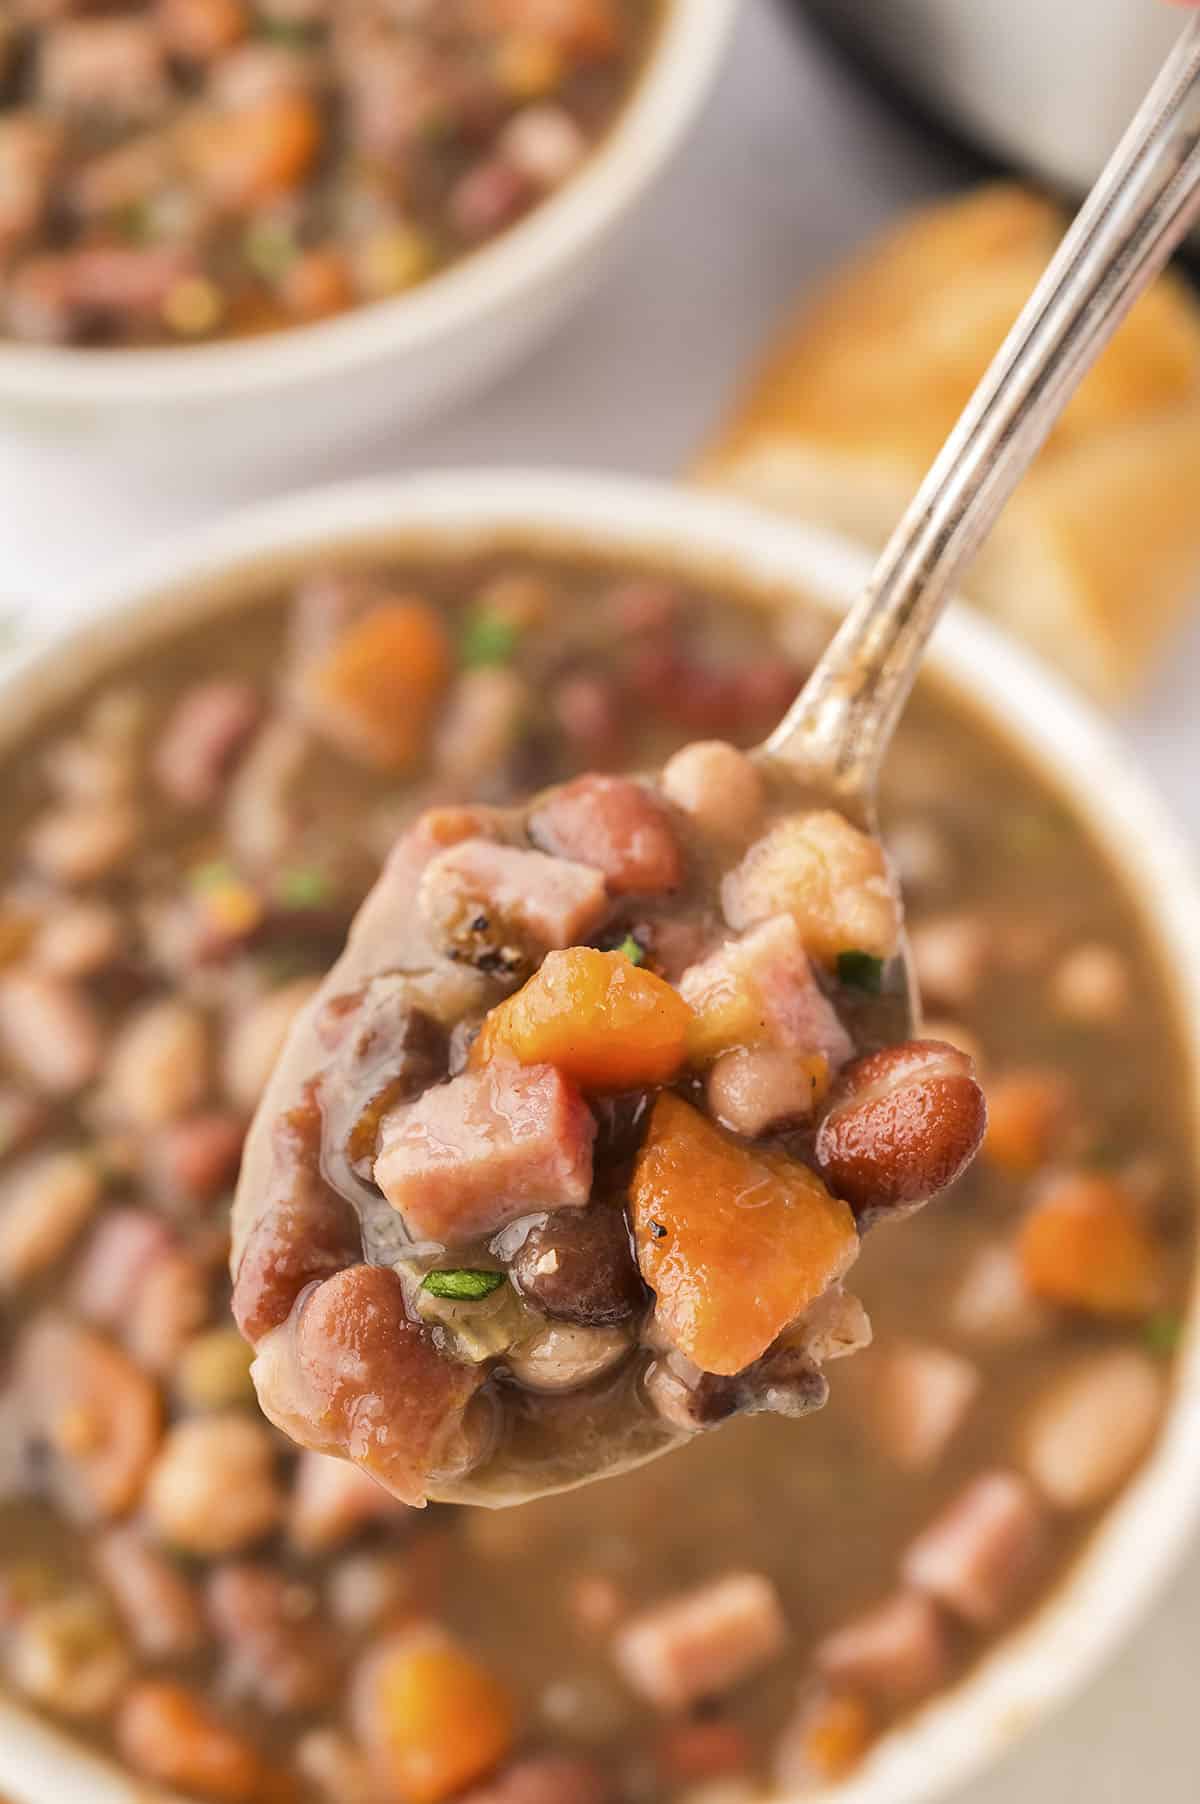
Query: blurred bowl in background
269,404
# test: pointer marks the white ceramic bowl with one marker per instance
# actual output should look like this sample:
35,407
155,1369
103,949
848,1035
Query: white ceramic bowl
1036,1669
269,403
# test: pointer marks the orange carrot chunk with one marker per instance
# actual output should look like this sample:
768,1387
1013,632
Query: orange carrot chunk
432,1719
1086,1246
603,1022
375,691
734,1241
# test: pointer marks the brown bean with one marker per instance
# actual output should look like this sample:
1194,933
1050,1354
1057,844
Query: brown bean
901,1125
50,1031
579,1267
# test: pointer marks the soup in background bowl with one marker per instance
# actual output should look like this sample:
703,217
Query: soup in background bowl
337,145
879,1597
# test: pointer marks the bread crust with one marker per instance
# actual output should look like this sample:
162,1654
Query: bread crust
1099,552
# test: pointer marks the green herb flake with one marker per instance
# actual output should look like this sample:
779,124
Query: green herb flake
294,33
488,639
218,874
304,887
860,971
633,950
463,1286
1164,1333
270,248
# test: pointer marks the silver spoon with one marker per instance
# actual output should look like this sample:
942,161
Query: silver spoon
833,741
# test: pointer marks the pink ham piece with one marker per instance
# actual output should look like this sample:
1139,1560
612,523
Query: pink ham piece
897,1652
551,903
614,823
797,1016
471,1155
978,1556
702,1643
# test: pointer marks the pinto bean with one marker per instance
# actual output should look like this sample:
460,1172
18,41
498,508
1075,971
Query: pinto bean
157,1604
277,1647
159,1066
919,1399
202,30
544,144
1092,985
45,1203
170,1735
901,1125
170,1304
256,1040
993,1305
100,1416
565,1357
68,1655
197,1158
50,1031
337,1769
82,843
332,1501
719,787
79,940
1090,1427
203,739
951,954
579,1267
213,1489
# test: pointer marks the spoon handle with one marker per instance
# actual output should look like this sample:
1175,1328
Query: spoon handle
1140,210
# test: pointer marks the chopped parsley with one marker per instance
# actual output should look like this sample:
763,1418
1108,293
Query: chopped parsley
463,1286
633,950
860,971
488,639
1164,1333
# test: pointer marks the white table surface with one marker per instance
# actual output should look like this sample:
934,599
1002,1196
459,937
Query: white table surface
793,163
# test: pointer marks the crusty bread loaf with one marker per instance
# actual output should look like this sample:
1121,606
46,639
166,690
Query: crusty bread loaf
1099,552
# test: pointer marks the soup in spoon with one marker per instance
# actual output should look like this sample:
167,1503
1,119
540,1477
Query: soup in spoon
568,1157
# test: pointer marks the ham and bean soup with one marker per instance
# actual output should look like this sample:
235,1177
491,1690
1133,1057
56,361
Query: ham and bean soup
174,170
569,1156
186,846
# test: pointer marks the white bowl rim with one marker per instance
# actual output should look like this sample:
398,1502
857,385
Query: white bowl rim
1035,1670
459,299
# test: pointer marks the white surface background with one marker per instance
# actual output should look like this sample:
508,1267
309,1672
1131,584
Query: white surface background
794,162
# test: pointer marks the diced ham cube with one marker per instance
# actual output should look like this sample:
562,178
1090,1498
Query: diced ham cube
206,732
485,901
702,1643
978,1556
897,1652
275,1645
546,1779
1089,1429
471,1155
616,824
920,1397
832,878
793,1011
